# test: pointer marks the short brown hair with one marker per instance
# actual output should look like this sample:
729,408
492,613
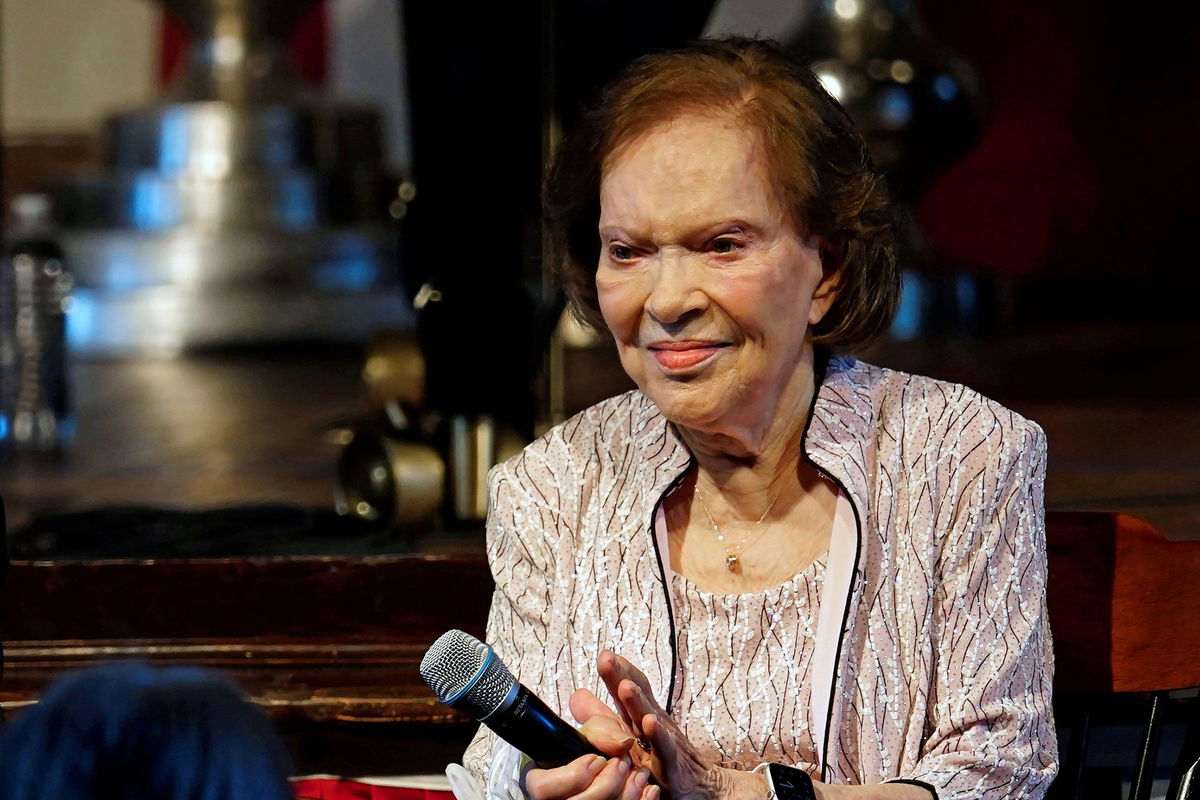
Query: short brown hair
820,164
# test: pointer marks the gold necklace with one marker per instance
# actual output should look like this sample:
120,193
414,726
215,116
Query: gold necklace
732,557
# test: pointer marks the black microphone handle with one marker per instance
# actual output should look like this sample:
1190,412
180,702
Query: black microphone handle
530,726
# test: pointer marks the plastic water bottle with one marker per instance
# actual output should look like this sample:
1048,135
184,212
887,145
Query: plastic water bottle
35,288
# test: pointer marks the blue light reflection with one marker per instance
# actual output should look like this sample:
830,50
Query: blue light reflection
350,264
173,140
895,107
906,325
945,88
81,319
297,202
152,203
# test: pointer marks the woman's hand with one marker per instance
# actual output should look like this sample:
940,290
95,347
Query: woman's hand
644,742
595,777
677,766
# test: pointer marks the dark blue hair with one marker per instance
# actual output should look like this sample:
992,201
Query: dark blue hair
130,731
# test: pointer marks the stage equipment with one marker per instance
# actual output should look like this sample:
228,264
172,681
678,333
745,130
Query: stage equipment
919,107
245,207
916,103
410,462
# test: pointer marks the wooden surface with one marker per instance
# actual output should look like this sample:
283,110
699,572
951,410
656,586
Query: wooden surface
195,433
314,639
394,599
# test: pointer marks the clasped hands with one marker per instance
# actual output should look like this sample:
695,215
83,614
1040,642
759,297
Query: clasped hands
641,742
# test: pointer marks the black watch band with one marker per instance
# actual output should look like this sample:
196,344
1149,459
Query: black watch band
789,783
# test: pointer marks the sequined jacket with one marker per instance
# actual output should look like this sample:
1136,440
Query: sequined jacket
932,659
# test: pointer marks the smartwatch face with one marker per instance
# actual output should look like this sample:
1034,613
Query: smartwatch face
790,784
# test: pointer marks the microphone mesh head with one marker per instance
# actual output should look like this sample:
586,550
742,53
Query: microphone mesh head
465,674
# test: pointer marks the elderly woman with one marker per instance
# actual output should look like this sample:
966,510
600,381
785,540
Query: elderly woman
765,554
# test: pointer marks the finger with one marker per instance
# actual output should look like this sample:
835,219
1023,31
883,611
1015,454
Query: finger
608,735
656,732
644,713
609,783
640,754
651,793
625,669
637,705
636,784
565,781
609,668
584,705
665,747
601,725
671,747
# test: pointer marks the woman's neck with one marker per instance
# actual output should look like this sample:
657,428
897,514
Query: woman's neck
752,465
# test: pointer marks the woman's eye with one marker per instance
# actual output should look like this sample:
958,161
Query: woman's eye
621,252
724,246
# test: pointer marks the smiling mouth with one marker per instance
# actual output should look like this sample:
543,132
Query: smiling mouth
675,356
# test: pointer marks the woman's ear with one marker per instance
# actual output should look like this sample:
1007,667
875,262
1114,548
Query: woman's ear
826,290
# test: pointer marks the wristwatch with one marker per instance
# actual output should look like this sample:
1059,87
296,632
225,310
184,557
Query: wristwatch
789,783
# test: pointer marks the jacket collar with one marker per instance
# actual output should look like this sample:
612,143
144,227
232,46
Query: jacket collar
838,439
841,429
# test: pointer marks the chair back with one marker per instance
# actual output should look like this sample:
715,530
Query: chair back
1124,605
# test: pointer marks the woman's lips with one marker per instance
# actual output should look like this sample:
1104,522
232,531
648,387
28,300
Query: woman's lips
681,355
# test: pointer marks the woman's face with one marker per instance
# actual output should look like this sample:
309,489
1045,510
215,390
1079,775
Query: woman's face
707,287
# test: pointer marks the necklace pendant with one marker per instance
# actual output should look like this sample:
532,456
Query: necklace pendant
731,562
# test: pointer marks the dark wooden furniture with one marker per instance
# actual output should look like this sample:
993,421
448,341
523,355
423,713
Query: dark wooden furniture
329,646
1124,609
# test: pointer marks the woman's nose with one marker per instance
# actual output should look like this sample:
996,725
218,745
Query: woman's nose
675,295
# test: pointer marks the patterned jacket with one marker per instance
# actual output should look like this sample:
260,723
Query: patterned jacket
932,660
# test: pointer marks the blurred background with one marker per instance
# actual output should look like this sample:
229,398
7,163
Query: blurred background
244,201
273,300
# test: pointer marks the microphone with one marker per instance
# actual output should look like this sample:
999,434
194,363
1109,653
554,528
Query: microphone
466,675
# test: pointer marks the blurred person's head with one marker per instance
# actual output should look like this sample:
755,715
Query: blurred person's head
135,732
